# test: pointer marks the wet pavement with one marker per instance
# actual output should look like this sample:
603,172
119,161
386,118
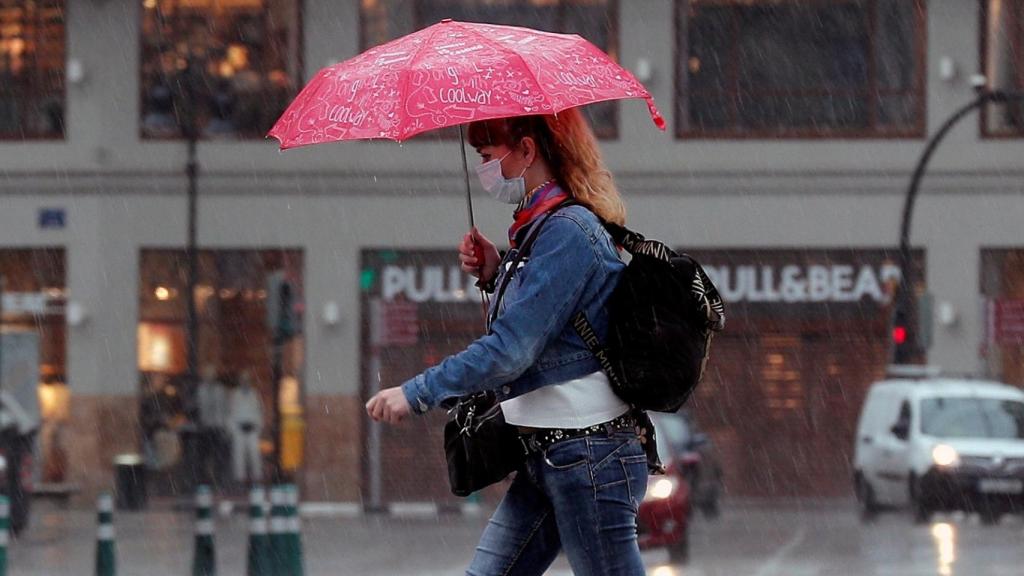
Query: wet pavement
752,538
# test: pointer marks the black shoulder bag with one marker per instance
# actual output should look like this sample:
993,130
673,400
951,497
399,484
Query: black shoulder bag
481,448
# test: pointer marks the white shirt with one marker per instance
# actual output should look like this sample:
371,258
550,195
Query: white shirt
574,404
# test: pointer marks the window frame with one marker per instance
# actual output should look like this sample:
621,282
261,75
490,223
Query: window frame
917,131
300,65
983,114
615,45
7,137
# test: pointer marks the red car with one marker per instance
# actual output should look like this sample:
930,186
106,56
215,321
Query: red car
664,516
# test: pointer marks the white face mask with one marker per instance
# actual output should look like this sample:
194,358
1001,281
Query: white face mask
507,190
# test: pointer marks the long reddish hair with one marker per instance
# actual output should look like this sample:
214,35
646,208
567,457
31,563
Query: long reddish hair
567,143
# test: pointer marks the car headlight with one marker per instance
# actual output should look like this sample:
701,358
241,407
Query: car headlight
662,488
945,455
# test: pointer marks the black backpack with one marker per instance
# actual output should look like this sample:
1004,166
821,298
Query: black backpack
662,316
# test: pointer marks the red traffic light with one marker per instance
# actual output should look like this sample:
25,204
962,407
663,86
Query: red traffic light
899,334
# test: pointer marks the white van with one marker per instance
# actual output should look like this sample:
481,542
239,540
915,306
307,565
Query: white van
937,444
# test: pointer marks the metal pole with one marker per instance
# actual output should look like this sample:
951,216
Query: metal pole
904,299
190,130
192,170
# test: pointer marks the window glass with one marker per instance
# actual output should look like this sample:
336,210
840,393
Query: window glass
33,337
231,66
32,38
972,418
385,20
240,340
798,68
1003,63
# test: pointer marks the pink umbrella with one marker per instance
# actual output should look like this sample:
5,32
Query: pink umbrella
449,74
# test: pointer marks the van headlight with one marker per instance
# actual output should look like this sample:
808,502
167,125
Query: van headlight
662,488
945,455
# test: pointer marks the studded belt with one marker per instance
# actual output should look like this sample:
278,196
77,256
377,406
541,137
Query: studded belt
539,439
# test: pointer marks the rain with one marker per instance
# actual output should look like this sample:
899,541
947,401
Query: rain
319,287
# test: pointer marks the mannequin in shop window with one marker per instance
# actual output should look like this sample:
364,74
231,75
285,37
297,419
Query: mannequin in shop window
245,422
212,404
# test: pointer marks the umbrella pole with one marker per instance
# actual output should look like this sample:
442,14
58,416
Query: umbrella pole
465,173
469,207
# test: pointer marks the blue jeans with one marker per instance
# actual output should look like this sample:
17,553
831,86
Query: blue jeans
581,496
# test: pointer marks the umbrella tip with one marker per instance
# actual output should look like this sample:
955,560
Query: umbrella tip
446,20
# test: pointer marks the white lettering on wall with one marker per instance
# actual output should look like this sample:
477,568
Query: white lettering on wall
426,284
797,284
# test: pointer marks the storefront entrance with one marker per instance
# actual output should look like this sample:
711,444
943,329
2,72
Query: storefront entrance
417,308
806,334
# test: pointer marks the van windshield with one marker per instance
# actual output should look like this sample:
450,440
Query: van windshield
972,418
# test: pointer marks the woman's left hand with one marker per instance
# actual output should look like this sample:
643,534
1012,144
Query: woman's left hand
388,405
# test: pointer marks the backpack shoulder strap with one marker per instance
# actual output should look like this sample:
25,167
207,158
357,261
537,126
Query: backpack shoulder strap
635,243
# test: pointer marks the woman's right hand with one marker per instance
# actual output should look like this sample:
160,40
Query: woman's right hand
474,248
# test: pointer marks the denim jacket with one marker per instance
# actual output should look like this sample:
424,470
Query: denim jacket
573,265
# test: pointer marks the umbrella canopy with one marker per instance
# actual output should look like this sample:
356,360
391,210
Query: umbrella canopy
449,74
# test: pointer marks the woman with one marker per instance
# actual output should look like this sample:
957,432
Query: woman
586,471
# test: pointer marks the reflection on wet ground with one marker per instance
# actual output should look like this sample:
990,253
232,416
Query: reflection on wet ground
751,538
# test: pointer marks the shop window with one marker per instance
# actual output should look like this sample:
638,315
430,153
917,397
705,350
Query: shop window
239,340
232,66
595,20
1003,63
799,68
1002,286
33,360
31,69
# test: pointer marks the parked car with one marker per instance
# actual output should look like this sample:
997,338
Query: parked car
664,514
938,443
699,460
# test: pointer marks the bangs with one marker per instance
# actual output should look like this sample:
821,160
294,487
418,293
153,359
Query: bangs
488,133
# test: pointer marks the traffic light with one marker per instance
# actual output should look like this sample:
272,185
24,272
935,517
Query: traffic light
281,318
902,341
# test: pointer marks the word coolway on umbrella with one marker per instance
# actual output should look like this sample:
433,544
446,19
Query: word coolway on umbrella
463,96
347,115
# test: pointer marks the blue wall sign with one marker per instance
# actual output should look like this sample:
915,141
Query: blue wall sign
52,218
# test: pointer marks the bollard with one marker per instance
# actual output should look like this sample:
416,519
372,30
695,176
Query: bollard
5,526
106,561
278,528
204,559
258,557
294,531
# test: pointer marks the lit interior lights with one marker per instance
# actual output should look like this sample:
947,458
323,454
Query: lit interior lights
162,293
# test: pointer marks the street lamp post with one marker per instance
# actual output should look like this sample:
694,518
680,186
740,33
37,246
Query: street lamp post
188,124
903,311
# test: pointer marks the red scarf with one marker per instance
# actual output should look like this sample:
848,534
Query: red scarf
549,196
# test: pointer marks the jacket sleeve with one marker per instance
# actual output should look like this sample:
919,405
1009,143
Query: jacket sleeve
562,262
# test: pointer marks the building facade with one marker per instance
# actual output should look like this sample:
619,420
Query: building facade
793,130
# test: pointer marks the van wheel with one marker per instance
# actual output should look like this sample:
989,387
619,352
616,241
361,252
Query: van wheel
867,504
866,500
919,507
